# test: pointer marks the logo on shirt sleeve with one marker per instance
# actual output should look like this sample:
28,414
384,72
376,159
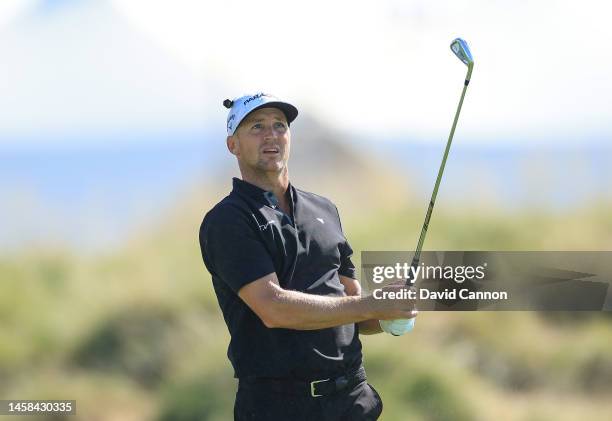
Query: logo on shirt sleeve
266,225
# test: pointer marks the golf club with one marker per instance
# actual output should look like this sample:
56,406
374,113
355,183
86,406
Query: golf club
462,51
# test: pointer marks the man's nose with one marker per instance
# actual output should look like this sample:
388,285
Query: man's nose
270,131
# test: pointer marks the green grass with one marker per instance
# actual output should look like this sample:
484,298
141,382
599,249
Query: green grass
142,326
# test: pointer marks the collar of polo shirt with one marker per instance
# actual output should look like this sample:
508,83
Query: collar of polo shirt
258,193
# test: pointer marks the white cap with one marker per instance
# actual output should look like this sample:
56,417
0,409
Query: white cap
242,106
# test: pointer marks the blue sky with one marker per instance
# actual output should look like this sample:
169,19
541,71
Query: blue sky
111,108
377,69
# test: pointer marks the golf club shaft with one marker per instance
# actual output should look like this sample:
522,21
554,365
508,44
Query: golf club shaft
417,253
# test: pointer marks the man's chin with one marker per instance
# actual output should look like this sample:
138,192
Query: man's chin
274,167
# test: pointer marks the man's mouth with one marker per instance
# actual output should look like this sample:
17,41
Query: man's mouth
269,151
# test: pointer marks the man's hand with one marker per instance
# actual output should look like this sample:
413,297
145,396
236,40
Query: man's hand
395,308
395,327
402,325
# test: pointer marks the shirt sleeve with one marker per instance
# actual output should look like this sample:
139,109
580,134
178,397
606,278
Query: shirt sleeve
231,248
347,268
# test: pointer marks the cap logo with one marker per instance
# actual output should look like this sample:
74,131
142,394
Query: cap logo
254,97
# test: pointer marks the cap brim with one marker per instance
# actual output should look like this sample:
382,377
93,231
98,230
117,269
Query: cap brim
289,110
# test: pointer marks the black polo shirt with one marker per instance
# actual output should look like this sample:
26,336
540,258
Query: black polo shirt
247,236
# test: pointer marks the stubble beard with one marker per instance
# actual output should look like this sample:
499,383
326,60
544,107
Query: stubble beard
265,168
277,167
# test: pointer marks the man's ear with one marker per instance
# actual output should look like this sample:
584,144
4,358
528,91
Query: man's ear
232,145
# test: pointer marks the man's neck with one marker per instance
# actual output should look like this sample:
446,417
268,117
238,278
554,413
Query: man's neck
276,183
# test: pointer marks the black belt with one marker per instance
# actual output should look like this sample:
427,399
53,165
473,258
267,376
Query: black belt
315,388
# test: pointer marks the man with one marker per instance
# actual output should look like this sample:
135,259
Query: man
282,271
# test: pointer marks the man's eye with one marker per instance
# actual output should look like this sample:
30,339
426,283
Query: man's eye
279,125
257,126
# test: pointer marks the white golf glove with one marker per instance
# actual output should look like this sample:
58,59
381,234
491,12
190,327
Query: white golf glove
397,327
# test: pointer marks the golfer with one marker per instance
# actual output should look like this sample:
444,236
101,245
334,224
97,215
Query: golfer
282,272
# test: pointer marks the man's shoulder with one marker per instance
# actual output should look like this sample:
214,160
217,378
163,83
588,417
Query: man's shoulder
229,210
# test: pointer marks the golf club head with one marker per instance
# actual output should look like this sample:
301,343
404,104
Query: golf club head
462,51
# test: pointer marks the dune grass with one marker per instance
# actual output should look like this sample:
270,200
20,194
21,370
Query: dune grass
136,334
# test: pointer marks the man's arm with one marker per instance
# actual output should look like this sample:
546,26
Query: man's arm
352,287
281,308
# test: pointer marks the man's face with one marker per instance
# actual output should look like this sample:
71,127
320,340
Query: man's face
262,141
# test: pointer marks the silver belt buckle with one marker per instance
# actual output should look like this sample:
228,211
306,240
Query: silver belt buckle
312,387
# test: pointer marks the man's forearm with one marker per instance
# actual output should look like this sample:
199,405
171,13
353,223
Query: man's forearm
353,287
301,311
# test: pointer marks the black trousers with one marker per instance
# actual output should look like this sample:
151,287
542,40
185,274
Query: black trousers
256,402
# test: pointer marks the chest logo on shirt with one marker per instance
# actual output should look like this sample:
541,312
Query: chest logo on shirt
321,220
266,225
